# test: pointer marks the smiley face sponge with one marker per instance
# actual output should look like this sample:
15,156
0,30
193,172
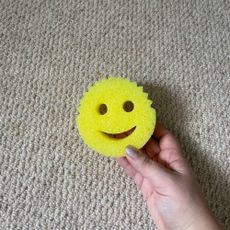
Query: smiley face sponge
114,113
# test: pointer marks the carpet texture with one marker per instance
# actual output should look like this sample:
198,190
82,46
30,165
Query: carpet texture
51,51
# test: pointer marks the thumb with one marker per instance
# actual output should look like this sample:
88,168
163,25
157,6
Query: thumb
151,170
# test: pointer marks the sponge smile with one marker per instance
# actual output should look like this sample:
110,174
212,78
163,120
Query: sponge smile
120,135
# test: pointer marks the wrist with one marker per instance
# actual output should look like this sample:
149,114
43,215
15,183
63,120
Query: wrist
204,219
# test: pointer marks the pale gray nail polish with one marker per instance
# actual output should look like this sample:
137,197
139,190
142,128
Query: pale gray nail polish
131,151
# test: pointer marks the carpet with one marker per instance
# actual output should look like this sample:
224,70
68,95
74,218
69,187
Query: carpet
52,51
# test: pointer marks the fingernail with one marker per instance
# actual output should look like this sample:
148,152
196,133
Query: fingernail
131,151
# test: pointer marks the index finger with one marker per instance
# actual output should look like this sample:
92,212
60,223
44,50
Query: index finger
160,131
165,137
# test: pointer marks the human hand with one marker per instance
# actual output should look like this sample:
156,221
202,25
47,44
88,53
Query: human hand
167,183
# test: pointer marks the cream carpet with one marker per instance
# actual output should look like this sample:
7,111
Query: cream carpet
51,51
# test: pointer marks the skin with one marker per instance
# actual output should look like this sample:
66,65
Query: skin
172,194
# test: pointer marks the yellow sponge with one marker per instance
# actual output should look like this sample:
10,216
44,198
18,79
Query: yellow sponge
114,113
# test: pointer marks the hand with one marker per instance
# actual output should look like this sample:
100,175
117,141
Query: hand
169,188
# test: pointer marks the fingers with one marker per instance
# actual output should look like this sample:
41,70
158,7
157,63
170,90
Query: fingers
152,148
160,131
157,161
166,139
170,150
150,169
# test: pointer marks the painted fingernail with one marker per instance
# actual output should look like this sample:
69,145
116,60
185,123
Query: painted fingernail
131,151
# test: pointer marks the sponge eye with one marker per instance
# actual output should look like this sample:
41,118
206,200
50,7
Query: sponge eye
128,106
103,109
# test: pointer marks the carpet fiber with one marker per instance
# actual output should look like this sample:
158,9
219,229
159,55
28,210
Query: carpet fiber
51,51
